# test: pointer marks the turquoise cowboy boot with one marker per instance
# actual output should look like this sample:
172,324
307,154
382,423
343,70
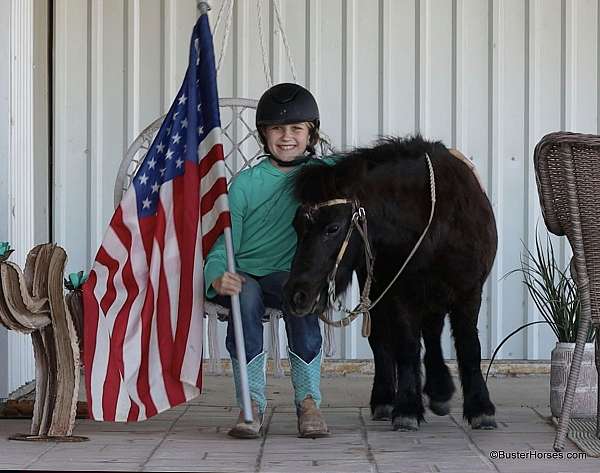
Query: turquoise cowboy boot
256,382
306,379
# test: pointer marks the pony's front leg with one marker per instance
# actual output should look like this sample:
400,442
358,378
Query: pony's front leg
384,383
408,406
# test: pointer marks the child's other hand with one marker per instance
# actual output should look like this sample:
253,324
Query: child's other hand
228,284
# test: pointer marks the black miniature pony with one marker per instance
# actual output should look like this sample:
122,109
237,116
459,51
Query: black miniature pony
391,181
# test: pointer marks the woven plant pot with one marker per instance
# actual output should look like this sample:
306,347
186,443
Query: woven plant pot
586,393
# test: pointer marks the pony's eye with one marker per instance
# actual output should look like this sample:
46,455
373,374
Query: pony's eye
332,229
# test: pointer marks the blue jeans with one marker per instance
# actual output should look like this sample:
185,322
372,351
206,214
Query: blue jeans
303,333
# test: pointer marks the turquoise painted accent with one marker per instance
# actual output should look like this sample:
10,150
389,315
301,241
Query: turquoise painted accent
5,250
257,379
306,378
75,280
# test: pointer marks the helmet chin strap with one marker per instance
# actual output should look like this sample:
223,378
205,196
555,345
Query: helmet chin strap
288,164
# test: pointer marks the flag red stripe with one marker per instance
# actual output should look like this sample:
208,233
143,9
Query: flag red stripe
112,265
186,195
112,377
163,321
209,198
206,162
117,339
209,238
143,382
134,412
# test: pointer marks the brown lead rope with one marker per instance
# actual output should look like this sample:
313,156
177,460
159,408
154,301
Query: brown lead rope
359,218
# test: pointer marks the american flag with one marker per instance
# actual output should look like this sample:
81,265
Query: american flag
143,301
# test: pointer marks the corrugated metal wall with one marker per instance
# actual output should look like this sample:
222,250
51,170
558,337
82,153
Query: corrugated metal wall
489,77
24,154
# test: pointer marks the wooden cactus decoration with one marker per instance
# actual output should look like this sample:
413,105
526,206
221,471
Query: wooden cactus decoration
32,301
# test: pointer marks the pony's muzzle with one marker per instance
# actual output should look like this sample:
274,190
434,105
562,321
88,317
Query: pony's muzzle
297,301
299,298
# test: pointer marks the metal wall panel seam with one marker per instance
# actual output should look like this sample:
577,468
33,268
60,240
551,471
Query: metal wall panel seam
385,58
27,144
568,83
134,78
495,170
422,50
41,123
349,119
531,345
125,79
95,123
458,12
163,59
169,53
5,55
273,48
457,9
532,119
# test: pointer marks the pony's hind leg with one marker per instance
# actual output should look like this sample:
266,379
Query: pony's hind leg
477,407
438,381
383,392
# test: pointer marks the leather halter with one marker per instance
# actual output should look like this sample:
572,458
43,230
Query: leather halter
359,222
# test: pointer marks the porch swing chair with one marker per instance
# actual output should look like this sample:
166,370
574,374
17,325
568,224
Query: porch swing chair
242,148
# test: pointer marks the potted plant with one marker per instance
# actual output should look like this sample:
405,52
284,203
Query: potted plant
556,296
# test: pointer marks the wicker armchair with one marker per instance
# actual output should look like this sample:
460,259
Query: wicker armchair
567,169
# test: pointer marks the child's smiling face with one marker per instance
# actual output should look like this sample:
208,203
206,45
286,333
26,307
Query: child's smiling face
287,142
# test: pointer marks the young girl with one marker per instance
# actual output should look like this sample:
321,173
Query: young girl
262,209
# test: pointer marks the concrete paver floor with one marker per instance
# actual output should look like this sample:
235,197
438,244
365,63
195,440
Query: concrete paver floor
193,437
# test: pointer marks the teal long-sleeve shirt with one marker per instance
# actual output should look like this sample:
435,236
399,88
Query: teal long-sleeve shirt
262,209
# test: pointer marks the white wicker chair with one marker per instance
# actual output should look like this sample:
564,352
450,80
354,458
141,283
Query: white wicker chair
242,148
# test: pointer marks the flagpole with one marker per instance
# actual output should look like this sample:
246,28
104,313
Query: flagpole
238,332
236,314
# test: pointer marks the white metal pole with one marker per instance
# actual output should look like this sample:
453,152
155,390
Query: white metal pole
239,332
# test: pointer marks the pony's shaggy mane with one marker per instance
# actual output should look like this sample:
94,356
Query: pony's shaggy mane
322,181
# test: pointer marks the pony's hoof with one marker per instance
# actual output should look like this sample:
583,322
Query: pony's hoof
382,412
439,408
484,422
405,424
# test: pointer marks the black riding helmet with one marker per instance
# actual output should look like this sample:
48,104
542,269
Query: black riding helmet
287,103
